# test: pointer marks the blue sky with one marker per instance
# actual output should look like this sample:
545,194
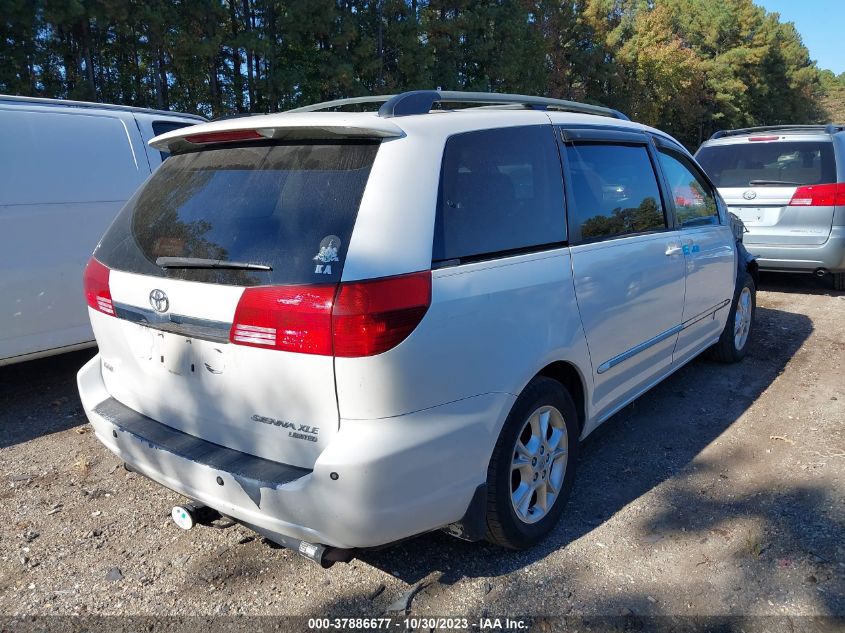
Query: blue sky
820,24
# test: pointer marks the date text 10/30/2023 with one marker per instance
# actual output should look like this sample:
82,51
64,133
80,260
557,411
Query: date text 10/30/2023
418,623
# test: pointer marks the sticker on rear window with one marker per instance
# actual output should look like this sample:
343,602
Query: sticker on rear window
328,253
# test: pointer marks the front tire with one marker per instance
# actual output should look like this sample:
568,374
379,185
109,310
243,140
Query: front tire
733,343
533,465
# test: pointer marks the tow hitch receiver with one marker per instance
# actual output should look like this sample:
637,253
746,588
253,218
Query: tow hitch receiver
189,514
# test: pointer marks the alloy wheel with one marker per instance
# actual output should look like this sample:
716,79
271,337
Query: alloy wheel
539,464
742,319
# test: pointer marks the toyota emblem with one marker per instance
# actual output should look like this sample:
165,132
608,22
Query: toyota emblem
159,301
749,195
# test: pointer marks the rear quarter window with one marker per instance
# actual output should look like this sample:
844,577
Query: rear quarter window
749,163
500,191
288,206
163,127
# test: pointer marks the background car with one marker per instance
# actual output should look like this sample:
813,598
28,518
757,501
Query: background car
68,168
787,185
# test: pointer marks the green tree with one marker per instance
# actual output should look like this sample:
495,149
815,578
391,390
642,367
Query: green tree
688,66
485,46
20,22
833,102
663,78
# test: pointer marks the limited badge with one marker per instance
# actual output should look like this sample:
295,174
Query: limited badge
327,255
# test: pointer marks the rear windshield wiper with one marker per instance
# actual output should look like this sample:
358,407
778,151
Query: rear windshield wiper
773,183
199,262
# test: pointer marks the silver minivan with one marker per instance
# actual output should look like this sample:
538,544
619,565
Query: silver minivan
67,169
787,184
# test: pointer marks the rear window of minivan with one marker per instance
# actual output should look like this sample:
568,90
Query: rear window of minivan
790,163
501,192
291,207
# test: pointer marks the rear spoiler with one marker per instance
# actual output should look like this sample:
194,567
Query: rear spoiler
286,126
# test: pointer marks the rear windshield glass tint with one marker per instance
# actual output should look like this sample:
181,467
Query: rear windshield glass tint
291,207
787,162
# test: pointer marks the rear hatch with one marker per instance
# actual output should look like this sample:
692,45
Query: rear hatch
781,186
211,292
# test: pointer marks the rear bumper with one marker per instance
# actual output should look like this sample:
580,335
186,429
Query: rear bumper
830,255
396,477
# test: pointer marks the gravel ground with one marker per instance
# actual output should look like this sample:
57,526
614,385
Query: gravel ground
718,492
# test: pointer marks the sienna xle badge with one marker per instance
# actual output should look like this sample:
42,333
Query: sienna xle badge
345,329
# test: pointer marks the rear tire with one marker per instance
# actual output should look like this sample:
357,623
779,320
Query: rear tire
533,465
839,281
733,343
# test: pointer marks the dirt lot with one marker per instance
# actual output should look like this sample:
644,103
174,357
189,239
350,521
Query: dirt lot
722,491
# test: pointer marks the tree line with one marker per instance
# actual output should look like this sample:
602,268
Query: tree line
689,67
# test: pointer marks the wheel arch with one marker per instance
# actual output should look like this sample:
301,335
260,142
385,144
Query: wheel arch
570,377
473,525
754,269
746,262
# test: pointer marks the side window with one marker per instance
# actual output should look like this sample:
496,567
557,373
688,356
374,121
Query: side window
695,203
160,127
614,191
500,190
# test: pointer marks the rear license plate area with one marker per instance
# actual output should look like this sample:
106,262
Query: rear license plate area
175,354
758,216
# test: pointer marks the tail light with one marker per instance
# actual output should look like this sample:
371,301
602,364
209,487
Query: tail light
95,279
371,317
351,319
819,196
290,318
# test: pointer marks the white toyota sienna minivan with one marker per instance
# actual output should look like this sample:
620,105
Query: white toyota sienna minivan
344,329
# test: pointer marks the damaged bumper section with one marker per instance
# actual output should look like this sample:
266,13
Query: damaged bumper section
378,482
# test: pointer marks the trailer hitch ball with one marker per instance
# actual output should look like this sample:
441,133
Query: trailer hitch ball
185,516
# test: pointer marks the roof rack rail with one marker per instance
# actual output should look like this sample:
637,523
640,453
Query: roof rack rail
68,103
421,102
337,103
830,128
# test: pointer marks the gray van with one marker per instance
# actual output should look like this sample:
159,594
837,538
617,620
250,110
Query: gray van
787,184
67,169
